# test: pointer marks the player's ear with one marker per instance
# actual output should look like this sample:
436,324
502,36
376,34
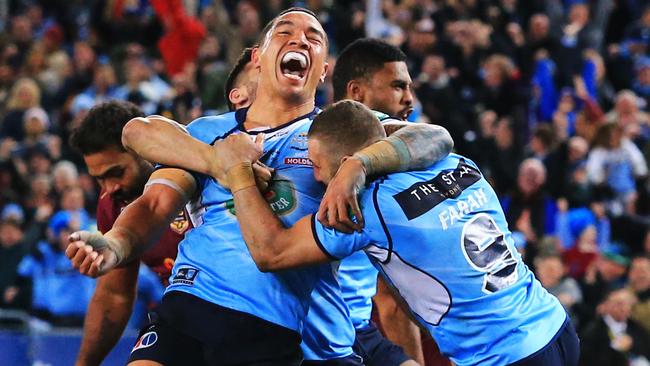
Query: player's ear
355,90
255,57
326,67
343,159
234,96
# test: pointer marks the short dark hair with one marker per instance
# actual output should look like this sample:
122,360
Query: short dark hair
236,70
346,126
101,129
360,60
269,25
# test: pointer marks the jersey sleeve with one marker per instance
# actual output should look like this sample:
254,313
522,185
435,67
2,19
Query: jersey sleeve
207,130
335,244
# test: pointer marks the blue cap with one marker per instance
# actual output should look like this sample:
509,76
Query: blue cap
63,219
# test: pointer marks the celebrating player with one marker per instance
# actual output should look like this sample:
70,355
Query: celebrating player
374,73
217,294
437,235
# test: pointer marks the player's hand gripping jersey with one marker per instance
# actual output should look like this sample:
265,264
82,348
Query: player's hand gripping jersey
440,237
213,261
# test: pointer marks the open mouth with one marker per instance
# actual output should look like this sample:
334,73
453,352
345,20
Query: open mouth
406,113
294,65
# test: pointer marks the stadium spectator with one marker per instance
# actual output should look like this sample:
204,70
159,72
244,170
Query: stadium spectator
59,294
24,94
550,271
614,339
639,283
12,250
614,164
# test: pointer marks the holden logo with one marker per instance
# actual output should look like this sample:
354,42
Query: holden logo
281,197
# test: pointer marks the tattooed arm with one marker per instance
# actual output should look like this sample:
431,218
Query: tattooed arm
418,145
409,146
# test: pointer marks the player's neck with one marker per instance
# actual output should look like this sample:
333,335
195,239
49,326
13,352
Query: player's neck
273,112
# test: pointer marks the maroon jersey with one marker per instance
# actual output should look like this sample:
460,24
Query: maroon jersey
160,258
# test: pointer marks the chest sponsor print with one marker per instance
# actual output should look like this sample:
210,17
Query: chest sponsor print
281,197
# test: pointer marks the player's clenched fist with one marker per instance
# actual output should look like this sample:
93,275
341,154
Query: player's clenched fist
91,253
235,150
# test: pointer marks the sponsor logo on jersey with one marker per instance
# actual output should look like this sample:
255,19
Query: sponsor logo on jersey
180,223
299,142
185,276
145,341
295,160
423,196
281,197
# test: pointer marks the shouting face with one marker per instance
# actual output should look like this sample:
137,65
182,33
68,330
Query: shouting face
292,57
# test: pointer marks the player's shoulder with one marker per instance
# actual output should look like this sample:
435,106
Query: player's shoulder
384,118
210,128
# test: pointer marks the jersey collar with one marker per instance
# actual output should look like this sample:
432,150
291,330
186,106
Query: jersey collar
240,116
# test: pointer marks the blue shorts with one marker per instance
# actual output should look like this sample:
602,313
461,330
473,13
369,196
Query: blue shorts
186,330
376,350
562,350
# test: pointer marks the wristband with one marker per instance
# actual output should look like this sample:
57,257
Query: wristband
240,177
385,156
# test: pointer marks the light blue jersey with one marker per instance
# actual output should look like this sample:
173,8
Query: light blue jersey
213,261
358,279
440,238
358,276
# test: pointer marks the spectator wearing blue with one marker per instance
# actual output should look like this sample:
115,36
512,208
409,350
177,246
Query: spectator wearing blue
12,250
614,164
570,224
641,84
59,294
103,88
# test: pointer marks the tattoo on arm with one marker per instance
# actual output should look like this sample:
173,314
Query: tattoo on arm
426,144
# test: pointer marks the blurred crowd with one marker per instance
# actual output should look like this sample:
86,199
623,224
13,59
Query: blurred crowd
551,98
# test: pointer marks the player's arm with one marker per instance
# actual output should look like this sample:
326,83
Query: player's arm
409,146
108,313
164,141
396,324
418,145
271,245
139,226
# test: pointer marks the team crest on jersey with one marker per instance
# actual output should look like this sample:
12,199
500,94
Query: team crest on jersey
299,142
145,341
180,223
281,197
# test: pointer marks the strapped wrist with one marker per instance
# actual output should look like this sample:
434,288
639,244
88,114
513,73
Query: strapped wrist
386,156
118,235
240,177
